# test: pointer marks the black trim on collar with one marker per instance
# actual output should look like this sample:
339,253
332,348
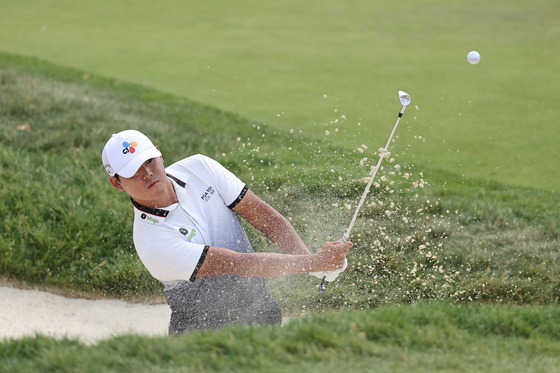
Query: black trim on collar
158,212
150,210
240,197
180,182
199,264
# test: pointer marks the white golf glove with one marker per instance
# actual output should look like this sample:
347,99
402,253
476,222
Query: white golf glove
330,276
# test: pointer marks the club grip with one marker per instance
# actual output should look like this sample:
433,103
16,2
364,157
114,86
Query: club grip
323,286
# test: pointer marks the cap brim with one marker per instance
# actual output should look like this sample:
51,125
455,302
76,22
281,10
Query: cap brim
129,169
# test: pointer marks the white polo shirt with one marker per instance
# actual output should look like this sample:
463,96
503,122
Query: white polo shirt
172,242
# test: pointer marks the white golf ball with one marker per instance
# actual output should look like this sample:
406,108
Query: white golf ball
473,57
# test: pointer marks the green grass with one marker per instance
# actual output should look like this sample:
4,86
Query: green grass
274,63
464,242
422,338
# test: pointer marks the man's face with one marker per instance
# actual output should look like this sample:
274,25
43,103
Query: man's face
148,185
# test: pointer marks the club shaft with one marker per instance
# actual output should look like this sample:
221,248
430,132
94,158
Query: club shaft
324,283
372,177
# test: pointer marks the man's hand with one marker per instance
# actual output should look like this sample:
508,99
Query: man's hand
332,255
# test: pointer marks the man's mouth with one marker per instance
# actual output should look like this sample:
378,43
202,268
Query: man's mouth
152,184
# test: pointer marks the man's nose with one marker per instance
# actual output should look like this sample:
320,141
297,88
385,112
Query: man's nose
146,171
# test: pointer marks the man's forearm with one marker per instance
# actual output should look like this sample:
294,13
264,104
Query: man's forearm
271,223
220,261
280,232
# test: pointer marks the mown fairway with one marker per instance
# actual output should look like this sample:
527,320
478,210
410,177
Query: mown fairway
319,66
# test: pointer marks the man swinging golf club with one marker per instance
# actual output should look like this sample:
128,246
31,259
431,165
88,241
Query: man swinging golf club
188,235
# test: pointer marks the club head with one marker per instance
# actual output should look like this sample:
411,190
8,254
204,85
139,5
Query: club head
404,98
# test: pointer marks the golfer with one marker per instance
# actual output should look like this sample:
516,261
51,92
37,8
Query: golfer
188,234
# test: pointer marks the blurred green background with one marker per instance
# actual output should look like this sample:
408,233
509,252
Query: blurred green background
334,67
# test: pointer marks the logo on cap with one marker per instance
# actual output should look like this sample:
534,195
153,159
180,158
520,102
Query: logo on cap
129,147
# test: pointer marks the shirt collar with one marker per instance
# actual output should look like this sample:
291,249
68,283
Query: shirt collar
161,213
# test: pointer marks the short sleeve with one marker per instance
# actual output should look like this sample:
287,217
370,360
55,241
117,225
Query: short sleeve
173,259
229,186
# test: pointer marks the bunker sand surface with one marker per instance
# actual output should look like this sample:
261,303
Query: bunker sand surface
25,313
29,312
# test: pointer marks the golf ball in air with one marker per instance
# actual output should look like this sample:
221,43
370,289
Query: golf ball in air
473,57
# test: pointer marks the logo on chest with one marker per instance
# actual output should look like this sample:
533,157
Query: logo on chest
149,218
208,194
185,232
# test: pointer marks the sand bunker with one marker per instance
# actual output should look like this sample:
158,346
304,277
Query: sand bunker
30,312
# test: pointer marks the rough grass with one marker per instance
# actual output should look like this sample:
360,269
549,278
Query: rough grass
421,338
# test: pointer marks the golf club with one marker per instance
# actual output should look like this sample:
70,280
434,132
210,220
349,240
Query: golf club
405,100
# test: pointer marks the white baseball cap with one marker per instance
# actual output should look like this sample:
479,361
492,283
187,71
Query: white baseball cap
125,152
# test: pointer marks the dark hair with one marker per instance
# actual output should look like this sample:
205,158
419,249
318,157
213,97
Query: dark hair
117,177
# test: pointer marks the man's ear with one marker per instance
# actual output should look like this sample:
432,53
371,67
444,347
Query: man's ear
115,183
